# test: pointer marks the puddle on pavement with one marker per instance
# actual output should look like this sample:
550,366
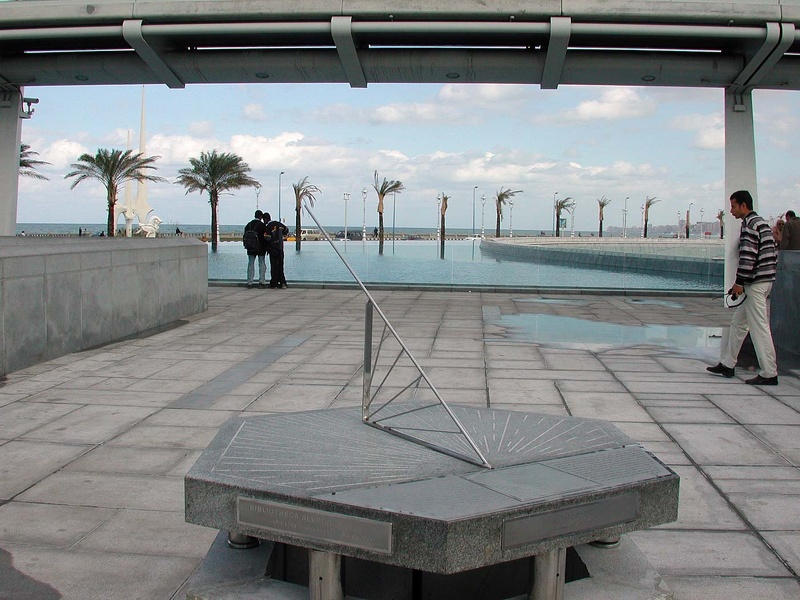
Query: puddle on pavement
569,331
665,303
565,301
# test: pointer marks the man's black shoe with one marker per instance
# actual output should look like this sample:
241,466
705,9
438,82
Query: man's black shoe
249,286
759,380
721,369
261,286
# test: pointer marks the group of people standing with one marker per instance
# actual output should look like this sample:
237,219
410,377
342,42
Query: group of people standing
786,231
268,237
755,274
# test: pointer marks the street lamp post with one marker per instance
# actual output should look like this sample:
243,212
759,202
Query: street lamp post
688,210
346,197
483,210
642,234
279,198
511,217
702,226
555,213
679,225
625,218
258,192
474,189
364,216
394,213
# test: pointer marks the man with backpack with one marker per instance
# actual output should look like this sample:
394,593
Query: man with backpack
256,245
276,231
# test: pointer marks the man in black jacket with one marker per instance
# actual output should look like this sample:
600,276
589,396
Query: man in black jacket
276,231
260,251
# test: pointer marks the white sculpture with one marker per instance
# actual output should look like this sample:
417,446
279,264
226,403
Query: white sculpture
150,229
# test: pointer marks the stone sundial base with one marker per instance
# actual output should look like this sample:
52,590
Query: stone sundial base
323,480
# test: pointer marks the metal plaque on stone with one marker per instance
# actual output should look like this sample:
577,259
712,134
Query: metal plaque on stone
571,519
315,525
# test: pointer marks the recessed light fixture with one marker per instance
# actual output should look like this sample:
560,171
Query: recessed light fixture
649,78
262,75
81,78
453,75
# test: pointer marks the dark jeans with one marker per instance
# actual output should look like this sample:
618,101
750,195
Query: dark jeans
276,275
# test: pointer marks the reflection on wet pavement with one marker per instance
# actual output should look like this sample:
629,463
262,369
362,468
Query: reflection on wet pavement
665,303
551,329
565,301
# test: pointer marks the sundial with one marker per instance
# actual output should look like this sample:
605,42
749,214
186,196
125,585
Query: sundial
437,487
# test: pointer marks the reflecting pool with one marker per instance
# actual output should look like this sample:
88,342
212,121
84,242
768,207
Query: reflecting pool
417,262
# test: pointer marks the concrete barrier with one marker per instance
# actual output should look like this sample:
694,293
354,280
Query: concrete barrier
65,295
785,307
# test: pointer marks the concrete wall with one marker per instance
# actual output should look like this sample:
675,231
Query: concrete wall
64,295
785,306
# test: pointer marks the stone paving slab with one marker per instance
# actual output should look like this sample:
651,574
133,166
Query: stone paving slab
87,504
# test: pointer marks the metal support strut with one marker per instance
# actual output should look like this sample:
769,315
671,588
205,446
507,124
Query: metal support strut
548,575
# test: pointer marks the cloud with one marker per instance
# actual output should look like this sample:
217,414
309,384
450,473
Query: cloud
201,128
709,130
614,104
62,153
398,113
254,112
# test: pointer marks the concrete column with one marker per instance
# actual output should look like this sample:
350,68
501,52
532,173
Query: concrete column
10,135
740,169
548,575
324,576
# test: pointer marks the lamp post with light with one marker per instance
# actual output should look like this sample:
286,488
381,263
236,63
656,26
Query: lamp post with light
394,213
572,220
346,197
555,213
511,217
364,216
474,189
483,210
625,218
438,218
279,198
258,192
702,226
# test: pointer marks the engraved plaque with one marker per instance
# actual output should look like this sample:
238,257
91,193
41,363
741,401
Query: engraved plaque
572,519
619,466
315,525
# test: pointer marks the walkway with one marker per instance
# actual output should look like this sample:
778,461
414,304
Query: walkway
93,446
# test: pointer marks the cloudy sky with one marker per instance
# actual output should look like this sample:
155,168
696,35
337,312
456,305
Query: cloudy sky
583,142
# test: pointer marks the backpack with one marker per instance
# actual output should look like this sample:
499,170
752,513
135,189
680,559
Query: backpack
250,239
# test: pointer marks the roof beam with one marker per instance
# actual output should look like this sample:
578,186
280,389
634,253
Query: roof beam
132,32
560,28
778,39
342,32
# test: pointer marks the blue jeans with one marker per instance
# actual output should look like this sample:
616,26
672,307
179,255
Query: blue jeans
251,267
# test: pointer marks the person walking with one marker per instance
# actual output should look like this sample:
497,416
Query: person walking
256,245
790,239
758,258
276,231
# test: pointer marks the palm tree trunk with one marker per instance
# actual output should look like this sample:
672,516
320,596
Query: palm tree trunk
644,233
380,232
600,234
497,225
297,226
214,237
558,223
112,193
442,240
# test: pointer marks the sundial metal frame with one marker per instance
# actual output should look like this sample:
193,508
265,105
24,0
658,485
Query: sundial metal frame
393,422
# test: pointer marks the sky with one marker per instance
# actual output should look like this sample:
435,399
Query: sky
581,142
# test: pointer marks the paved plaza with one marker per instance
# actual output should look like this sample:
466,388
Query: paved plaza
94,445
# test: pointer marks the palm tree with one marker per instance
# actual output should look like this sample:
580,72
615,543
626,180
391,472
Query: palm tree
383,190
28,164
112,168
499,200
648,202
603,202
302,190
445,198
564,204
215,173
721,219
